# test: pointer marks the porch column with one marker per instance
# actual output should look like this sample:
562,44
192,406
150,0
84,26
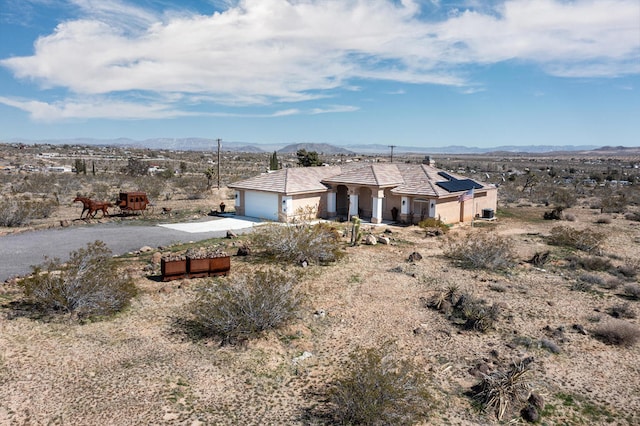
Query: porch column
405,209
376,214
353,202
331,204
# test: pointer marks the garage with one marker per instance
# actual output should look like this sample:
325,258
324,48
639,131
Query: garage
261,204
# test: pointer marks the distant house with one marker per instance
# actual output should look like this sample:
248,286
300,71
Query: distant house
395,192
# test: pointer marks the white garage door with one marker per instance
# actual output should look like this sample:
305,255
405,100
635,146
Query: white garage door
261,204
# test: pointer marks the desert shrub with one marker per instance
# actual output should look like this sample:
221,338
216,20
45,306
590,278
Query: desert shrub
589,263
627,271
634,216
605,220
586,240
504,392
570,217
482,251
319,243
622,310
244,306
88,285
612,283
614,203
376,388
13,213
20,212
632,291
465,310
563,197
617,332
434,225
592,279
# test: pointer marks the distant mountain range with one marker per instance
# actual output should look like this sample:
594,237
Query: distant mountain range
204,144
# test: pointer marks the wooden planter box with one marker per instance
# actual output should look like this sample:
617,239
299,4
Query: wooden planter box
173,269
198,268
219,265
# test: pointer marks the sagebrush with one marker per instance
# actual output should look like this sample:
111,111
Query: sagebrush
241,307
587,240
377,388
481,250
318,243
89,284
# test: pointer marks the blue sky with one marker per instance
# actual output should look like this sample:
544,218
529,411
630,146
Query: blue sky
403,72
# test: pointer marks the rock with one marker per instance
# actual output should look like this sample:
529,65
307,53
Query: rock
156,258
243,251
231,234
302,357
580,329
384,240
536,400
530,414
64,223
320,313
145,249
370,240
414,257
304,263
388,231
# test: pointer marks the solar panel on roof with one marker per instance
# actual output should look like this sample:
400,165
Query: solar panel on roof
456,185
446,175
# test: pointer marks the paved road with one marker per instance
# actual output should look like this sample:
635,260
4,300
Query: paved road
19,251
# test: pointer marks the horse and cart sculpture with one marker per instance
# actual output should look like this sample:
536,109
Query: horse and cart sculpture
127,202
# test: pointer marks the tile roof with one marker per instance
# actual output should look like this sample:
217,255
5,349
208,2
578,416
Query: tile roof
406,179
290,180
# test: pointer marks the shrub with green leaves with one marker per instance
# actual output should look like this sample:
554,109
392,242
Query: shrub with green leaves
88,285
587,240
376,388
319,243
481,251
434,224
242,307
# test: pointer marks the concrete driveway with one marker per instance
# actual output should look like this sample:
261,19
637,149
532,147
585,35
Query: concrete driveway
18,252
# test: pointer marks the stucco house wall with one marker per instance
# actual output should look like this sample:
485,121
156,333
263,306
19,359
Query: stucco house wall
371,190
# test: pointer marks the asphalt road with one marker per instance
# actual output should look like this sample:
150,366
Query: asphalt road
18,252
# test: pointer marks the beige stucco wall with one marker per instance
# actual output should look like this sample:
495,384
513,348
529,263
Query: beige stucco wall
390,201
307,203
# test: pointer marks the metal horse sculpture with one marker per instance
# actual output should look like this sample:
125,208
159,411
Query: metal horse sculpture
92,207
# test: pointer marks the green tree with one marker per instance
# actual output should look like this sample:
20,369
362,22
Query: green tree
209,174
308,159
136,167
274,164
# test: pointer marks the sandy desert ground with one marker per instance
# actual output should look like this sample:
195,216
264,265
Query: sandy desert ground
141,368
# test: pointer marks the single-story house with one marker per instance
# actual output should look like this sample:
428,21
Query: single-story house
407,193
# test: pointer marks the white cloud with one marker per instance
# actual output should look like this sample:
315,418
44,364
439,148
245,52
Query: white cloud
260,52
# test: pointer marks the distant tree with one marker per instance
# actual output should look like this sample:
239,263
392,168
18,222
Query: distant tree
209,174
308,159
274,164
183,167
136,167
84,167
80,166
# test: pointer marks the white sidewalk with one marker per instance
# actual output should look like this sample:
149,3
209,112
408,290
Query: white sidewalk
219,224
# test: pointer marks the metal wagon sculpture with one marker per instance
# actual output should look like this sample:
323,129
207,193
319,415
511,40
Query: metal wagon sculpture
133,202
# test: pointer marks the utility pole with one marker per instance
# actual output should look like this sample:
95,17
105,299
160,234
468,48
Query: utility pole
392,146
219,140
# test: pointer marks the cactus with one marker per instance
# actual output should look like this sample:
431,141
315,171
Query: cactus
356,235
